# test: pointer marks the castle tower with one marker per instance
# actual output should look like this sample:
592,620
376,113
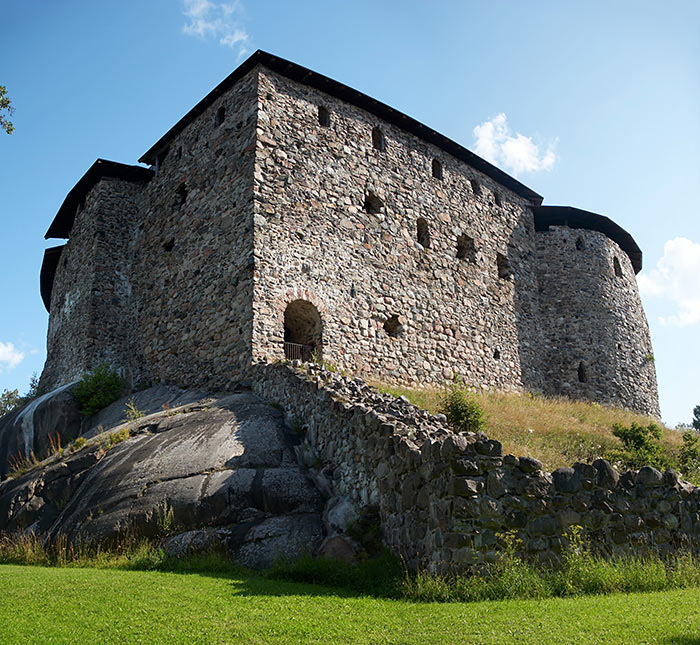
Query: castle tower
288,215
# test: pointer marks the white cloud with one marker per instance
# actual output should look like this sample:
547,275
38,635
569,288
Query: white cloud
675,279
495,143
219,20
10,356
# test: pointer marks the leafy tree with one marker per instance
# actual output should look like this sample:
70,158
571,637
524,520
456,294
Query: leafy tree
6,110
9,400
696,417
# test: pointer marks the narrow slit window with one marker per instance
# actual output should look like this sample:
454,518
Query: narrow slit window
466,250
437,169
617,268
582,373
324,116
476,186
378,140
579,244
503,266
181,194
423,233
220,116
497,198
496,354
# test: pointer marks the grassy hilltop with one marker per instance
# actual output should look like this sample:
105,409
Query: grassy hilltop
560,432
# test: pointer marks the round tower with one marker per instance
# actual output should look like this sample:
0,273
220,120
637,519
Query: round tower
596,338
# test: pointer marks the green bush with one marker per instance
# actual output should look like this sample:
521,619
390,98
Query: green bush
641,446
463,412
97,389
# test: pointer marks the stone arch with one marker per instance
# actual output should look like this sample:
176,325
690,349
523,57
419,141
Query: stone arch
303,331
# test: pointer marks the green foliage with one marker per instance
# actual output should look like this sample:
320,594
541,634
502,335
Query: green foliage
689,456
131,412
114,438
97,389
696,417
166,519
78,444
6,110
463,412
9,400
640,446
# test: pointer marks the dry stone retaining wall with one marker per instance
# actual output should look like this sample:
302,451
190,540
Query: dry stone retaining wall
454,501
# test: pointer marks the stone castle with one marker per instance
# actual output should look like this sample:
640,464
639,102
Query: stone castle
288,215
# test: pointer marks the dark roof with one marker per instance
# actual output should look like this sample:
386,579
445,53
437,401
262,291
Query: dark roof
344,93
48,272
546,216
63,222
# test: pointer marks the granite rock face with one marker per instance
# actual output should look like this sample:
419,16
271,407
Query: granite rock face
52,417
226,463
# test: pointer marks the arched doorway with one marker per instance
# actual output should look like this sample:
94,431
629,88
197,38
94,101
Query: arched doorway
302,331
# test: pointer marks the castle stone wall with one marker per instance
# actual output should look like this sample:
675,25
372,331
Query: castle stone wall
91,317
315,240
596,338
453,501
193,283
420,268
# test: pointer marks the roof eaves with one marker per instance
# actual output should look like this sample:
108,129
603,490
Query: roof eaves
63,221
345,93
546,216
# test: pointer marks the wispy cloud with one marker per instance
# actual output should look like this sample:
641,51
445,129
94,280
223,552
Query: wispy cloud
517,154
222,21
675,279
10,356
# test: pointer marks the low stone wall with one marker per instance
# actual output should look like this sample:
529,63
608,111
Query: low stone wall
454,501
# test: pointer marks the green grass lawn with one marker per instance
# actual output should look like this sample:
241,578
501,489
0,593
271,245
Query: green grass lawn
62,605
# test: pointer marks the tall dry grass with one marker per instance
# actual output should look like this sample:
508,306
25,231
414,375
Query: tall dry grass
557,431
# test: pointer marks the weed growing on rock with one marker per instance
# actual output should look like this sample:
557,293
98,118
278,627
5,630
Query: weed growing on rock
20,465
116,437
131,412
97,389
78,444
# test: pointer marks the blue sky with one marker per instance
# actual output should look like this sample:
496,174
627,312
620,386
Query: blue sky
592,104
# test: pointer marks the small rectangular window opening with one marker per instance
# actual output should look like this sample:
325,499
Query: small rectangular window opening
466,250
324,116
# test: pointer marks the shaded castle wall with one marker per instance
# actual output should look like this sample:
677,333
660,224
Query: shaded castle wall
91,316
315,240
192,283
596,339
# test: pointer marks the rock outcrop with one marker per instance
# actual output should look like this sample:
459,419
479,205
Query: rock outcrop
215,470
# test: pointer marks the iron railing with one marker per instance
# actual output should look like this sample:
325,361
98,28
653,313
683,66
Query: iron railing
297,352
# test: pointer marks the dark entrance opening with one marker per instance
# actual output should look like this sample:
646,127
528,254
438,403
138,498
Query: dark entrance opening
302,331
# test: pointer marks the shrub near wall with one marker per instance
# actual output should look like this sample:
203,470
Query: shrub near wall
453,501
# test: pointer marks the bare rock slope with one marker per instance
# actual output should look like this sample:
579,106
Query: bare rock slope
199,469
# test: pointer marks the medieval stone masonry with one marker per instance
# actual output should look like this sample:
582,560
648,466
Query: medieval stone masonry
287,215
